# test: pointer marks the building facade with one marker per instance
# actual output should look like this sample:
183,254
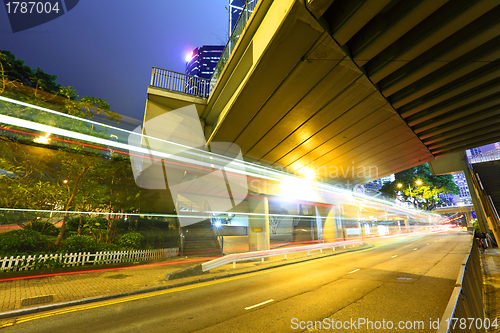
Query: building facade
374,186
203,61
464,196
235,9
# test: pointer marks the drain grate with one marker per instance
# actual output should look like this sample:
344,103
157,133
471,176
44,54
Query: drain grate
37,300
404,278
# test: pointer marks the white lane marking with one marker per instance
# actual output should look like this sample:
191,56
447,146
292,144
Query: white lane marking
354,271
415,249
394,256
256,305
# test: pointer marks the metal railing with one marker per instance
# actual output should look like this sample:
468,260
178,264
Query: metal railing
233,258
488,156
178,82
466,301
246,12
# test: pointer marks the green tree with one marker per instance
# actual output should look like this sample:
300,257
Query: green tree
420,187
63,174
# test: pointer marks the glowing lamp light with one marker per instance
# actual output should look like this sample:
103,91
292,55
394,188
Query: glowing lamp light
43,139
189,56
419,182
65,181
309,174
400,185
218,224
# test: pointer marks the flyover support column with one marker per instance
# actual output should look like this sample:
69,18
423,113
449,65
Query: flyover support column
468,217
330,228
258,224
319,224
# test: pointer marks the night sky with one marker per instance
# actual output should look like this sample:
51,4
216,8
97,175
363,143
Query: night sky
106,48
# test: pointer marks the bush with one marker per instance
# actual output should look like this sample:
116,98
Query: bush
44,228
106,247
79,243
15,217
23,240
48,243
132,240
74,222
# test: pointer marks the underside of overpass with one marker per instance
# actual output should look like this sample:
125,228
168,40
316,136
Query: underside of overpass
454,209
359,89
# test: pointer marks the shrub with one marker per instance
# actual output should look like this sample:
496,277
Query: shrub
23,240
13,217
79,243
48,243
105,247
132,240
74,222
44,228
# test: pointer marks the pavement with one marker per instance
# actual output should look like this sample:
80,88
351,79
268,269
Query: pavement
491,269
21,295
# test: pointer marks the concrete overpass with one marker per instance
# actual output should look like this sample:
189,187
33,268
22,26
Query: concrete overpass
454,209
342,86
467,210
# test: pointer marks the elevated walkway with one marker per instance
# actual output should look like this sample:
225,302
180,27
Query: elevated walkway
343,85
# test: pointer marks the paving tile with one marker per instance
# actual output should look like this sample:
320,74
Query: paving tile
491,267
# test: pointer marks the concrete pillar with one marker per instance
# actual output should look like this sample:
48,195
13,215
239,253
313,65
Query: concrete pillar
319,224
330,229
359,221
468,218
258,225
342,217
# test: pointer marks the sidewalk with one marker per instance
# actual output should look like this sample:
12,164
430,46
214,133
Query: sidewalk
491,264
21,293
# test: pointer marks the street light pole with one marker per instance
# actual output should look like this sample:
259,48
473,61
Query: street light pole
418,182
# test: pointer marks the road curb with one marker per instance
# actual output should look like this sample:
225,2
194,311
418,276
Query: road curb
23,312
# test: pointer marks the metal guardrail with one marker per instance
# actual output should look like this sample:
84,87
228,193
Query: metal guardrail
245,14
488,156
233,258
464,312
178,82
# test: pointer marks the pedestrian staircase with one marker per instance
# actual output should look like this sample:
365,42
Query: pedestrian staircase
200,239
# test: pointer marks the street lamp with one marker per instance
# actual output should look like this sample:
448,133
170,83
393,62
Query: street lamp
418,182
43,139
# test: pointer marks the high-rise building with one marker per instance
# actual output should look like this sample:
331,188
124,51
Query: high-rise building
482,149
464,196
203,60
235,9
475,151
376,185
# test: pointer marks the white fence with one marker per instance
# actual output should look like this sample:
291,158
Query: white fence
21,263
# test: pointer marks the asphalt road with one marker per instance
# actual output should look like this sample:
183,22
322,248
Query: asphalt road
408,279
